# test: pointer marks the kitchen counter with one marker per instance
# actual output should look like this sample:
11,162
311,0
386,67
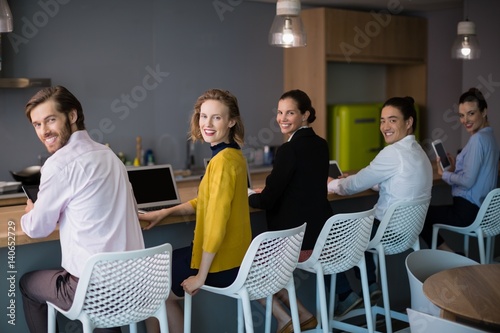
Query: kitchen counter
12,208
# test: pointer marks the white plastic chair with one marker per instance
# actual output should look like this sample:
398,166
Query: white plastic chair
423,263
121,288
267,268
398,232
340,246
486,225
424,323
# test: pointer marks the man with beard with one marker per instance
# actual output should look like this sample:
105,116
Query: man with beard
84,189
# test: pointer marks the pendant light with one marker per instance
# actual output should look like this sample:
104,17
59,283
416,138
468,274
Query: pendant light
287,29
5,17
466,45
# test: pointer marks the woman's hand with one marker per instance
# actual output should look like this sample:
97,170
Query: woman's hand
440,169
193,284
452,163
257,190
153,217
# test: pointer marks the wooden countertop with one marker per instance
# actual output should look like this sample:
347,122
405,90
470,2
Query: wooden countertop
10,216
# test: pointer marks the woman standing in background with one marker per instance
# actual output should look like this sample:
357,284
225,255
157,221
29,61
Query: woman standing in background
295,190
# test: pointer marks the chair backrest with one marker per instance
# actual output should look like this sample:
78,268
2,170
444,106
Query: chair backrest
120,288
424,263
401,226
342,242
269,262
488,216
424,323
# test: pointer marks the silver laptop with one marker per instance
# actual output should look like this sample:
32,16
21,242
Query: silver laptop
154,186
249,178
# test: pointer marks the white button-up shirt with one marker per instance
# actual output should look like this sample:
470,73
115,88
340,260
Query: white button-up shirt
402,171
84,188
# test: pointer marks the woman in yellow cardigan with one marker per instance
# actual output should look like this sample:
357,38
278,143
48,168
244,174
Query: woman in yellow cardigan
222,233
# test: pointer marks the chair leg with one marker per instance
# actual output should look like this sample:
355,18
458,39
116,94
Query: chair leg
490,247
294,311
161,314
321,306
269,313
366,297
482,255
133,328
435,232
188,301
241,321
331,307
51,317
247,311
385,292
466,245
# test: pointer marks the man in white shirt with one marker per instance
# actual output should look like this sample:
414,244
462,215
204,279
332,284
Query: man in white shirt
401,172
84,189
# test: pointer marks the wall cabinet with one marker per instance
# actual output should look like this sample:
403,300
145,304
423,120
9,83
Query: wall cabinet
338,35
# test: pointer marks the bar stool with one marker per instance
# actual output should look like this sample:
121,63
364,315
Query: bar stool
120,288
267,268
340,246
398,232
486,225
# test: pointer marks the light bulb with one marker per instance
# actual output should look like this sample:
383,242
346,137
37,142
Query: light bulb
287,29
287,36
466,45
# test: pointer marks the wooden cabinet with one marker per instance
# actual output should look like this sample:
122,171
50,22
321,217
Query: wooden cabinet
338,35
373,37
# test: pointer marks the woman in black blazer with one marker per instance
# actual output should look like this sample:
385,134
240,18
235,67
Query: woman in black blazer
295,190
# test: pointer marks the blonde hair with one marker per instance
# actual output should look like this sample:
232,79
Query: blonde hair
236,133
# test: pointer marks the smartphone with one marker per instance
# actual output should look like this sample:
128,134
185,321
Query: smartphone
31,192
441,152
334,170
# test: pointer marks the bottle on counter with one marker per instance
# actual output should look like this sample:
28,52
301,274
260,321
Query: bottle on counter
268,155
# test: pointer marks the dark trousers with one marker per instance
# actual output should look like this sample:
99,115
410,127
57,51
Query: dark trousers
460,214
181,270
55,286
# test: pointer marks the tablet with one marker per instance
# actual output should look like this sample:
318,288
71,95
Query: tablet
441,152
334,170
31,192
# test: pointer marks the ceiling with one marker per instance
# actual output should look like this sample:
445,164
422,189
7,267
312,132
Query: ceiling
406,5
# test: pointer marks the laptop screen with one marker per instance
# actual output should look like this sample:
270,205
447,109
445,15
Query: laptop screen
153,185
